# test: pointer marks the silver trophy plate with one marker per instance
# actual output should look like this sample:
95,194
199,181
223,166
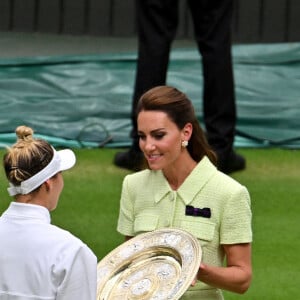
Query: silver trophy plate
156,265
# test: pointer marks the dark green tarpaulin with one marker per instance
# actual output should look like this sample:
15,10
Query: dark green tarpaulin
85,101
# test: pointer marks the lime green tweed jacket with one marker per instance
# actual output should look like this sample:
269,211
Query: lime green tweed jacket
148,203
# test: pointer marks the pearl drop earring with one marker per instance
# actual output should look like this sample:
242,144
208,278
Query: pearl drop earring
184,144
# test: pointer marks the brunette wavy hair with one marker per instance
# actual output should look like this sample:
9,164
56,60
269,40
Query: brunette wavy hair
180,110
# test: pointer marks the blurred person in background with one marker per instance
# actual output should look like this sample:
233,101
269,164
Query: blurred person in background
157,22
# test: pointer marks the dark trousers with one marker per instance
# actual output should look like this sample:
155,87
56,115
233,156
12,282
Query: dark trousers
157,22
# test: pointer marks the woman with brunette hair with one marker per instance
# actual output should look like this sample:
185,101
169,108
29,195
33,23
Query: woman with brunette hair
182,188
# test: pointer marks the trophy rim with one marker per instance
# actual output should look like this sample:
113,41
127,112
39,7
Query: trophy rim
160,264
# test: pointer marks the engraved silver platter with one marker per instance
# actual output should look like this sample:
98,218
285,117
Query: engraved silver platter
155,265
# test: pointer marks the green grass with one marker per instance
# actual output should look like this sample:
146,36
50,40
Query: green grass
90,201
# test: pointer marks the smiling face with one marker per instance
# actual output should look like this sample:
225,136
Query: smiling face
160,139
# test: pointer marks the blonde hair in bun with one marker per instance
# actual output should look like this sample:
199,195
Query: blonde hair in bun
26,157
24,133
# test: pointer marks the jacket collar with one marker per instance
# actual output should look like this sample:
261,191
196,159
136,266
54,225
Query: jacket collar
27,211
192,185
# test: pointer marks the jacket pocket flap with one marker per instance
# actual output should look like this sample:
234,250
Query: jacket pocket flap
145,222
200,229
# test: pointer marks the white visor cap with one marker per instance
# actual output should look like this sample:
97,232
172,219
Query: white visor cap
67,159
62,160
